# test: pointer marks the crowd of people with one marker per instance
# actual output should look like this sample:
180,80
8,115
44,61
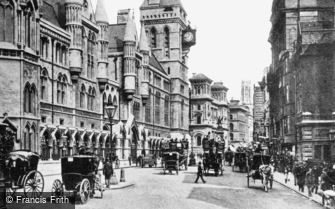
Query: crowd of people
313,175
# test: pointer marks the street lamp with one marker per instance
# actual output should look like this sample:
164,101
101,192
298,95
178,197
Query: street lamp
111,110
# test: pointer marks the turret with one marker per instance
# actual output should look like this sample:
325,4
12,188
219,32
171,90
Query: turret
73,9
129,58
102,21
145,50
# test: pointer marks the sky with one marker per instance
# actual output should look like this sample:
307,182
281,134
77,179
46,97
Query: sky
232,38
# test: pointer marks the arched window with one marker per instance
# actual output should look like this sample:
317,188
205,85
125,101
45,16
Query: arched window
44,84
61,89
26,137
93,99
148,109
198,141
90,54
157,107
89,98
63,55
153,34
231,127
166,110
26,100
182,113
167,41
32,139
115,67
29,25
82,96
7,23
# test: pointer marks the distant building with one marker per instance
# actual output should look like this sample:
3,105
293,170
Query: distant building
238,122
246,99
208,104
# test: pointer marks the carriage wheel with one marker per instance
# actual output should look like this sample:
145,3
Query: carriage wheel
33,184
84,191
57,188
10,191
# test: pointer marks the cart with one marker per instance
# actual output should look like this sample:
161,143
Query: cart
21,172
259,169
240,161
170,162
213,156
79,178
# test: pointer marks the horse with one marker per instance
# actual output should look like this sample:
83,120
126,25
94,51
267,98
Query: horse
266,171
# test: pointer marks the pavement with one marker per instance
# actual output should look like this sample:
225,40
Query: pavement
280,178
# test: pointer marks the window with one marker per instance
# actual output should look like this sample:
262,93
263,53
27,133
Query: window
182,89
199,119
136,110
61,89
115,68
44,81
166,86
89,98
167,42
44,47
169,70
29,97
198,141
199,107
157,107
231,136
231,127
90,54
148,109
82,124
82,96
61,121
92,126
7,21
166,110
153,34
182,113
29,25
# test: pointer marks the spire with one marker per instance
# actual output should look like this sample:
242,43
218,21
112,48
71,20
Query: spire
100,12
130,34
143,40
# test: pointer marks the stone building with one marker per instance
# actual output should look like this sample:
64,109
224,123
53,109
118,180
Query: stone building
246,99
301,77
238,122
61,63
208,104
259,99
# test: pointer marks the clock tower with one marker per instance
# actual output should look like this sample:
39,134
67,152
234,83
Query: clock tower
170,37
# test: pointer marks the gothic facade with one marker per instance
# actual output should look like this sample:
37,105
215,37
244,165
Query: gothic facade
61,63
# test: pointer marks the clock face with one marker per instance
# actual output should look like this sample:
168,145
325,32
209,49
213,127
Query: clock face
188,36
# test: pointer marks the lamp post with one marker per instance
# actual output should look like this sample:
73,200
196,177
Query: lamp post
111,110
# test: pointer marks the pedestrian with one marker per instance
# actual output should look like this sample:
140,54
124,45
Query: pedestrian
310,181
326,181
129,159
286,172
301,179
200,173
108,172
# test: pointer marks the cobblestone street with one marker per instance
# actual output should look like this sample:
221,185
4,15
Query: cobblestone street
154,190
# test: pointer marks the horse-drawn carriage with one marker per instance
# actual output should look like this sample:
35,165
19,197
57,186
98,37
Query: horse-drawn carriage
174,155
149,160
260,169
78,175
21,172
213,156
241,161
228,157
